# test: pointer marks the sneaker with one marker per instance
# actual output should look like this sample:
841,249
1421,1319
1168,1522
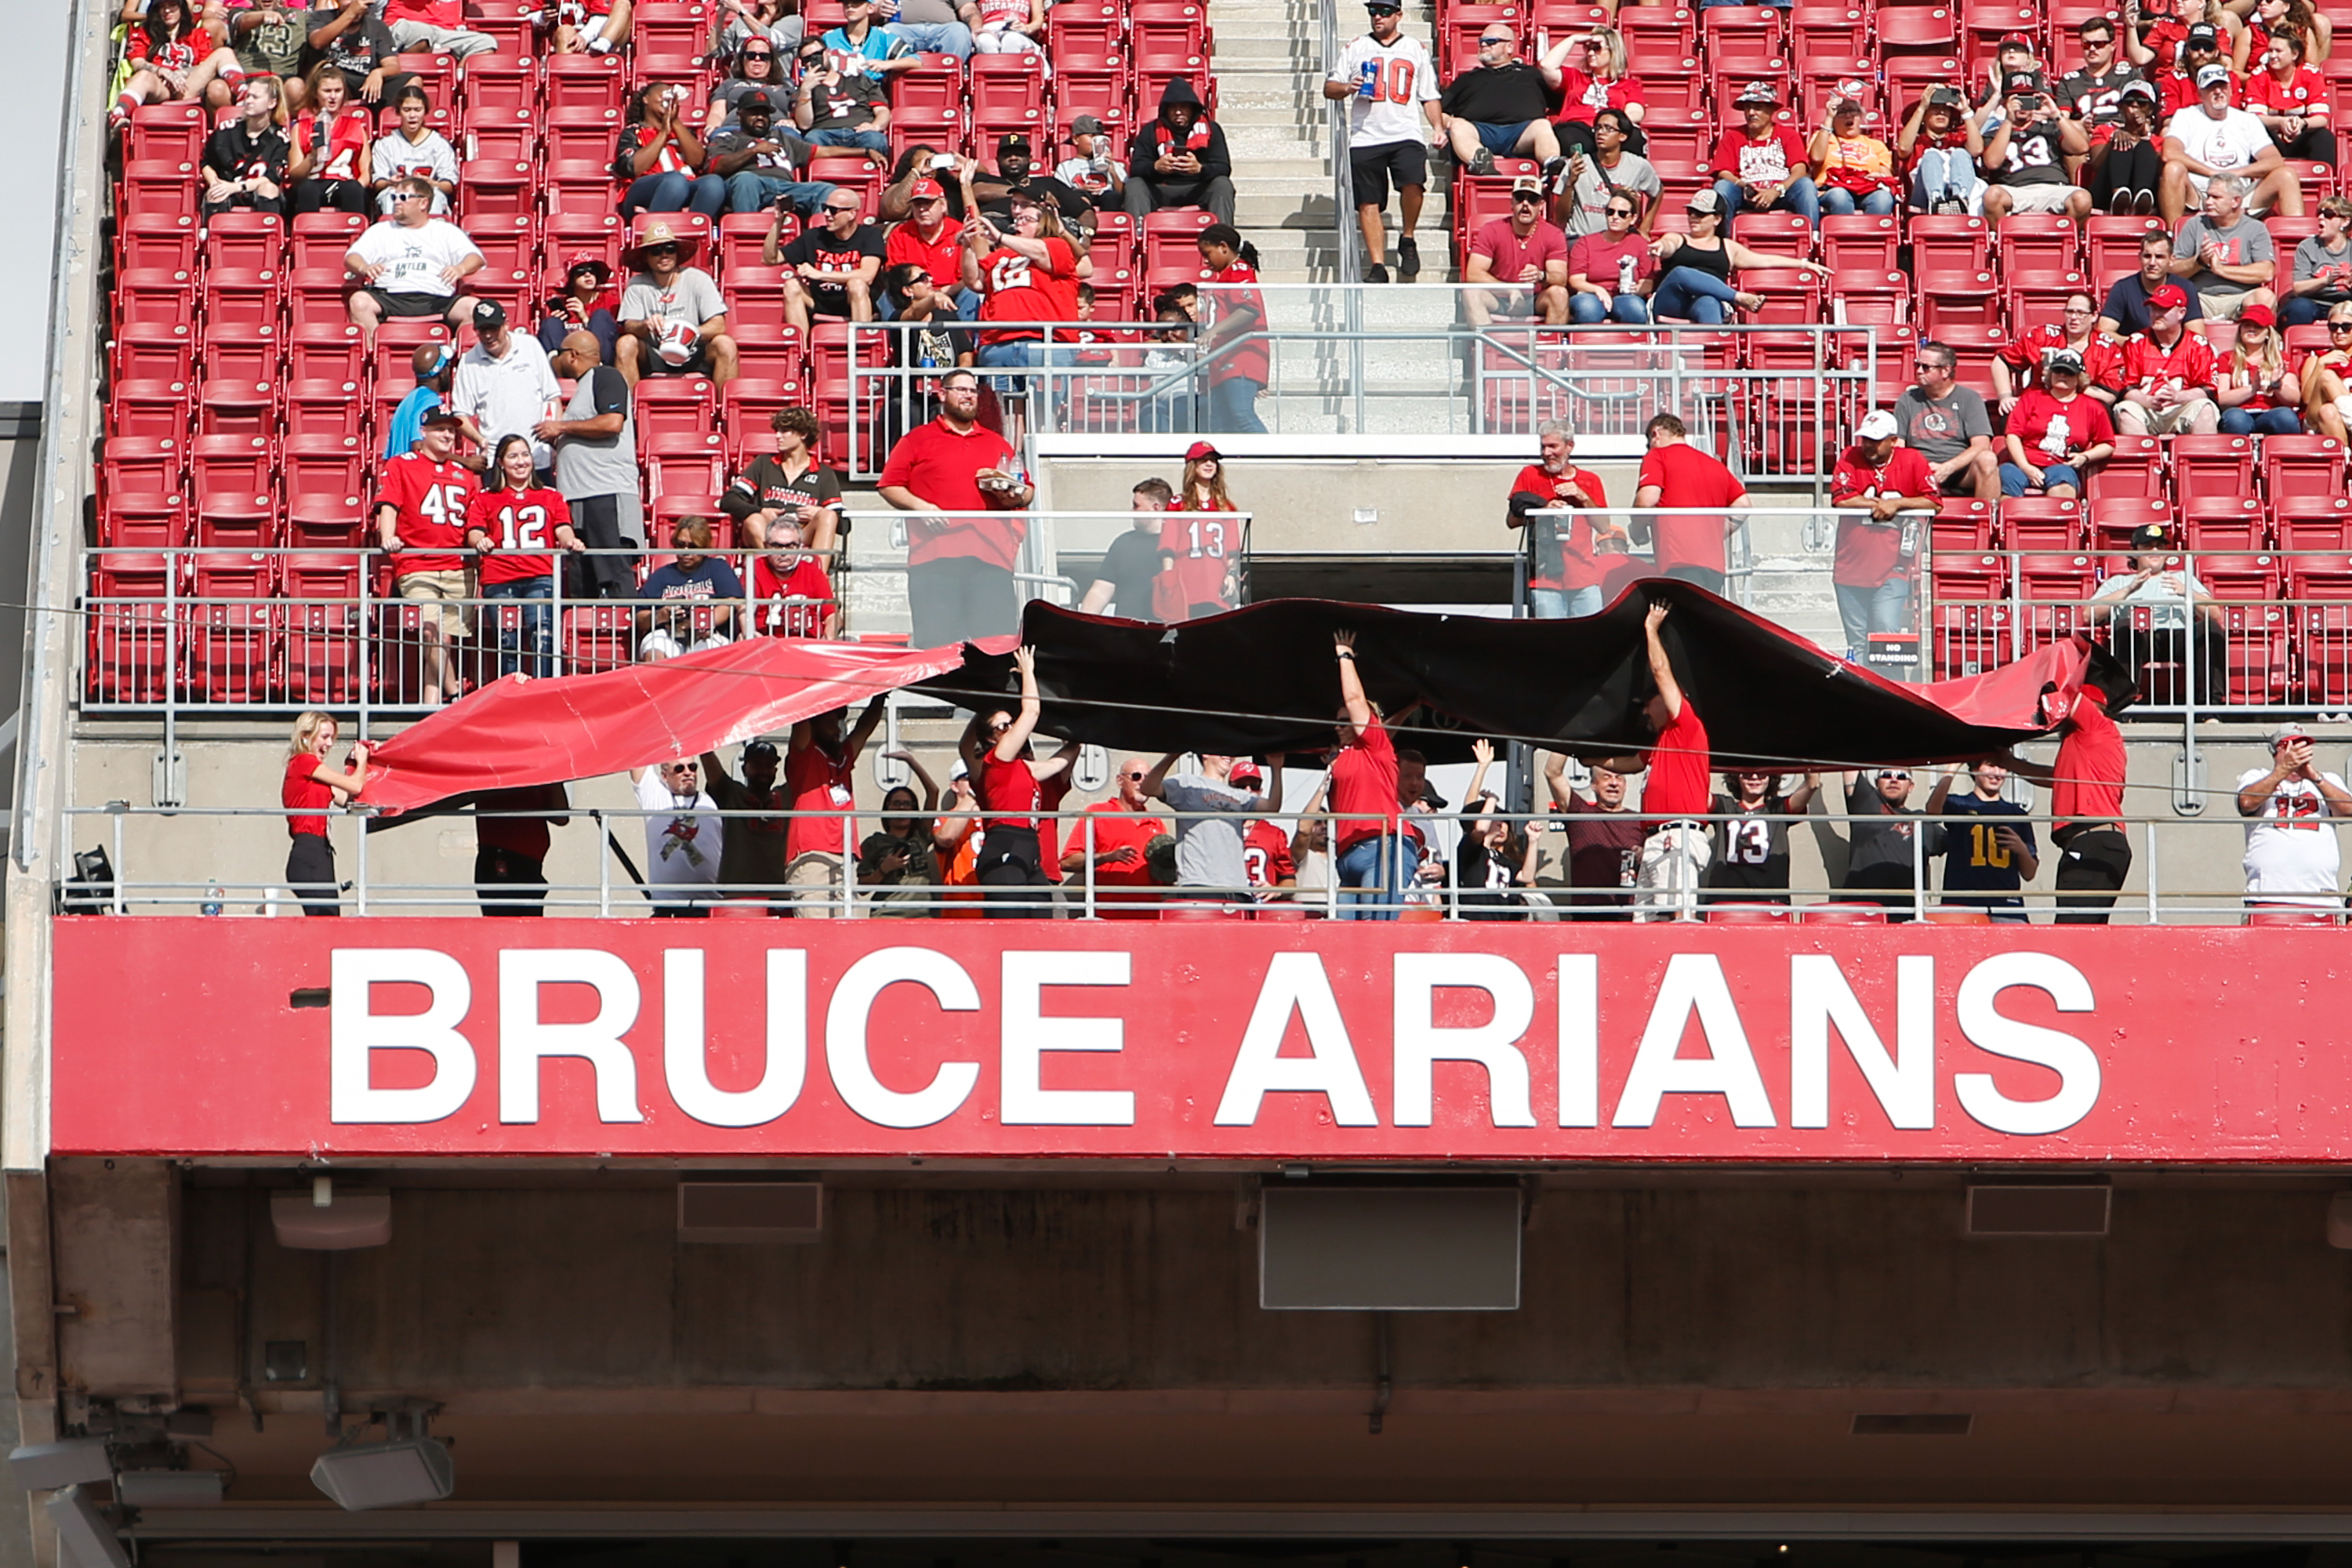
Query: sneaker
1408,260
1553,168
1481,161
1376,273
2143,203
2119,204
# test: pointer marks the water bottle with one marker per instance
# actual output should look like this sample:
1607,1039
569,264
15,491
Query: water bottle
214,896
1367,83
1624,275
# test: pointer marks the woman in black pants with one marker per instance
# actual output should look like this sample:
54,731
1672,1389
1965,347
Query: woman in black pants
2125,175
309,787
1011,864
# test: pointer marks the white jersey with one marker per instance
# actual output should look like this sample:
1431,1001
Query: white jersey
2291,851
1404,83
411,260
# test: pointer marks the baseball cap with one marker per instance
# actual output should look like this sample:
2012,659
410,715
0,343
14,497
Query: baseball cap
2215,74
488,315
1245,770
1200,449
1758,92
1526,185
2139,86
1876,425
2066,360
2149,536
1011,142
926,190
439,413
1705,201
1085,125
2205,33
2290,731
2018,41
2167,296
756,99
2022,81
759,748
1383,5
2258,316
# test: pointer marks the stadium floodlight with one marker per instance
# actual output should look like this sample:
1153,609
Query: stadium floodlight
406,1468
43,1467
86,1533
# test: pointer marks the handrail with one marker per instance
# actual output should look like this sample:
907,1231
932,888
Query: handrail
1336,115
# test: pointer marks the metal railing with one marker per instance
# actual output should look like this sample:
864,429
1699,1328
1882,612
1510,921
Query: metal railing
1337,114
143,845
1408,364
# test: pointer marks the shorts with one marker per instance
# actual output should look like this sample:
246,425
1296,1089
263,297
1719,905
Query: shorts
1502,141
662,643
1404,163
410,304
2223,307
2175,420
2042,198
449,590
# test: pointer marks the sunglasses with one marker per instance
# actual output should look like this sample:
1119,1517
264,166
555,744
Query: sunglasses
759,54
834,209
1894,778
651,249
1133,776
1484,42
1532,198
1621,212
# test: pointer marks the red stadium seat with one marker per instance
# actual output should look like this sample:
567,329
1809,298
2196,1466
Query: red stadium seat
2222,522
671,35
323,522
2111,247
144,522
144,465
228,465
324,462
151,408
2206,466
246,241
236,520
237,408
2300,469
1859,241
155,186
167,132
675,405
1961,525
163,242
2313,522
2135,469
1950,297
692,463
2041,523
2114,519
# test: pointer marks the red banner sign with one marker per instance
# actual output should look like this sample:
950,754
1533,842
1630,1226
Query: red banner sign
426,1037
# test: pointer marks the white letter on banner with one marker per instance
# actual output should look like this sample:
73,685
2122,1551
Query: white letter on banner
1819,997
1579,1039
524,1040
1694,981
1028,1034
1296,982
1420,1044
2076,1064
687,1070
845,1036
353,1031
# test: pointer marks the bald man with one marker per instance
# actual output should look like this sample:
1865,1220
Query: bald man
595,442
1122,842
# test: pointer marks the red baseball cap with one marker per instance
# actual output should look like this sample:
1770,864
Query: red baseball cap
2167,296
926,191
2257,316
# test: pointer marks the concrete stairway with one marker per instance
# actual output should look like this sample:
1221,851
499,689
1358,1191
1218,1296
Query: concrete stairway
1270,68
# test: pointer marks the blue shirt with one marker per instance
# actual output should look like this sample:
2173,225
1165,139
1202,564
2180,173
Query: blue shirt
407,421
880,44
1974,860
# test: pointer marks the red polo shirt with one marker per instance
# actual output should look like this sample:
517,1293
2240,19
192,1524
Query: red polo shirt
941,466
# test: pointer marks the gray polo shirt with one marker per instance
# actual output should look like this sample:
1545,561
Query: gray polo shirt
1209,849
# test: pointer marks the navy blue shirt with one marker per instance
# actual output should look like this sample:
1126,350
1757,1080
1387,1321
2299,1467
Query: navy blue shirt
1974,860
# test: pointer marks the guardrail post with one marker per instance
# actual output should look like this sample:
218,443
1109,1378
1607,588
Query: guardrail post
604,864
1087,843
359,882
1920,869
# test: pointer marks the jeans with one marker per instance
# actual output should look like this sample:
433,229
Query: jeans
1563,603
2267,422
1862,609
1028,352
834,136
1879,203
2014,480
675,192
1801,198
537,594
1687,294
1587,311
1373,876
1946,171
755,190
1232,407
937,38
2302,310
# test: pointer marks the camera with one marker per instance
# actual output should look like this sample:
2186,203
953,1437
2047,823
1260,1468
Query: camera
1944,97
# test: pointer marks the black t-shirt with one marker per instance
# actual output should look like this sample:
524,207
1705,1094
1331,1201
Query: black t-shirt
2096,101
847,104
2126,305
1068,200
2034,158
358,48
1753,853
1974,859
1498,95
766,484
821,247
1129,565
711,579
232,155
1485,878
1880,855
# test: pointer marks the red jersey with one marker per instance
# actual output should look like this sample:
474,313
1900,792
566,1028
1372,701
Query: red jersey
937,463
1247,362
816,781
1582,97
521,528
1117,827
1364,783
2148,365
1684,475
1205,549
2163,41
1767,160
2303,93
1016,288
2239,370
1680,773
2091,766
772,617
2024,354
1564,557
2180,93
1009,793
2048,428
432,500
303,794
180,54
1265,850
337,157
1868,552
941,259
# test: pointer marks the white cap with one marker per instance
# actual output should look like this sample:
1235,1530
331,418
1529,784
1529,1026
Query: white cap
1876,425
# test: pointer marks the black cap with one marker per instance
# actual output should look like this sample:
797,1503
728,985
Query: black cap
488,315
2148,536
756,99
1011,142
2023,81
2203,33
439,413
759,748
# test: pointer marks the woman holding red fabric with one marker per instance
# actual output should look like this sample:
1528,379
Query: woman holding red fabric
1198,554
1011,864
1367,843
331,148
517,528
309,788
